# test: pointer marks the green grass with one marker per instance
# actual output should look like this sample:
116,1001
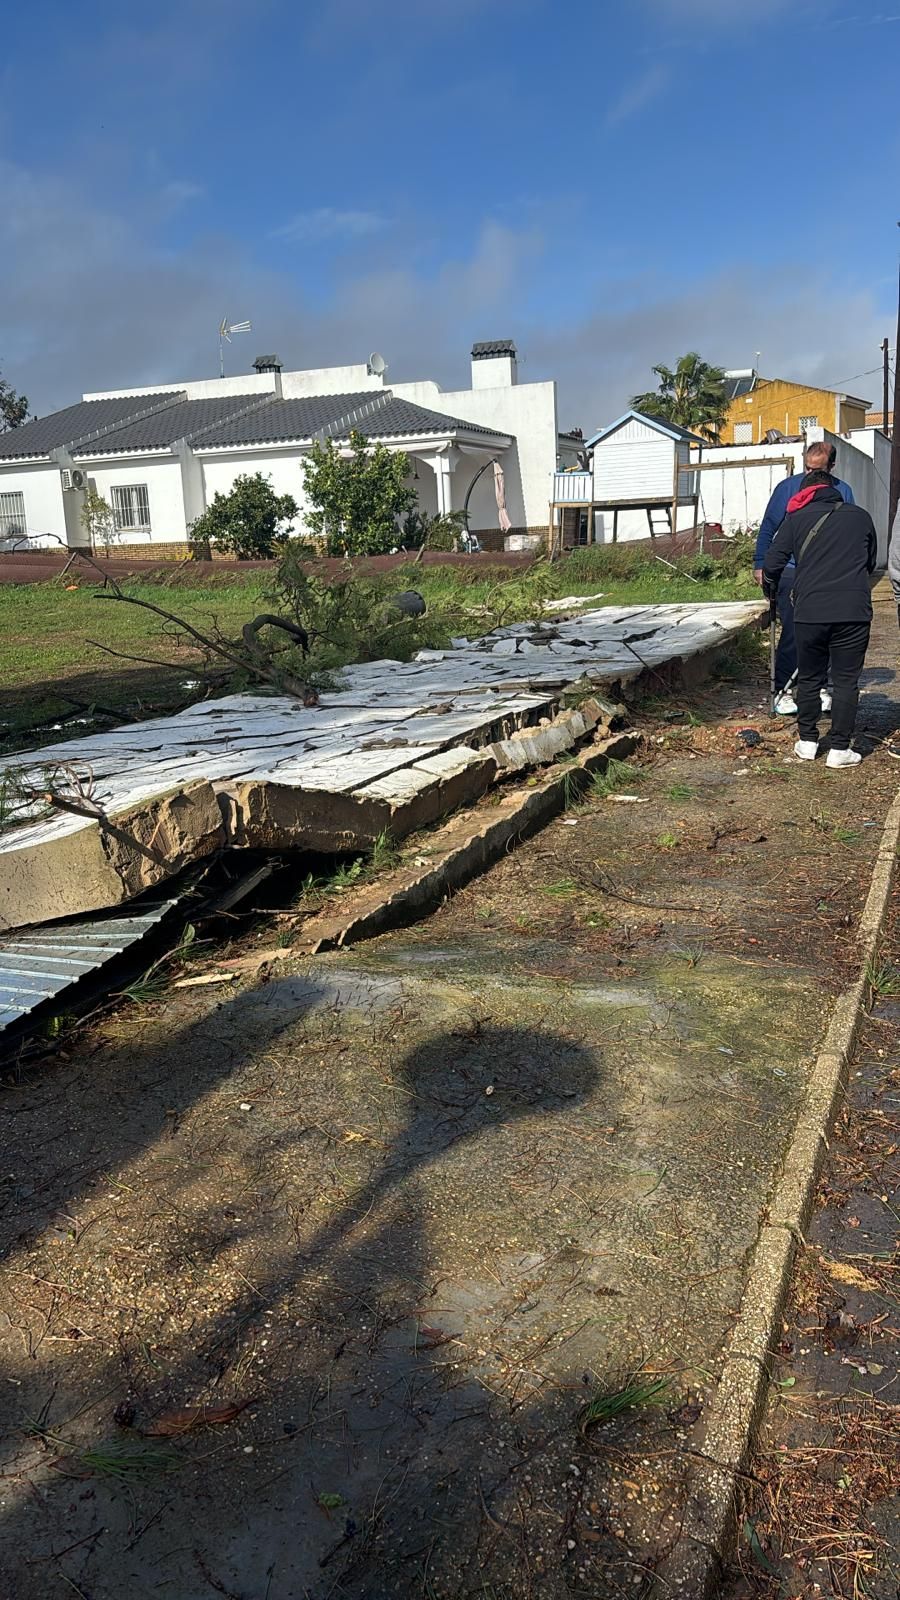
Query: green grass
667,841
561,889
679,791
882,979
53,665
634,1395
691,954
615,775
125,1462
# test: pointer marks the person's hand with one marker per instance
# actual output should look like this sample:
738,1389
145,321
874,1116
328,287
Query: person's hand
758,575
768,586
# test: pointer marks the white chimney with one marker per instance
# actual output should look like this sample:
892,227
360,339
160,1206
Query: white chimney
494,364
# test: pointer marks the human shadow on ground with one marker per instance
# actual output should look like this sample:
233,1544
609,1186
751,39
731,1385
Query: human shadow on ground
399,1327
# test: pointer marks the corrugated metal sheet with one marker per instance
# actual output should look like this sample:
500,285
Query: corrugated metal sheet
37,964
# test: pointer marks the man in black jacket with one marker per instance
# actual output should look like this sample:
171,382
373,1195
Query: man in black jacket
835,548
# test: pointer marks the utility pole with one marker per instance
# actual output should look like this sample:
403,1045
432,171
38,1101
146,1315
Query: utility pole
885,351
894,494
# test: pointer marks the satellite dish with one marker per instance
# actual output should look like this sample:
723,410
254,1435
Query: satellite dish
377,364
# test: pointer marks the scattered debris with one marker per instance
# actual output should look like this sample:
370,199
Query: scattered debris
203,979
173,1423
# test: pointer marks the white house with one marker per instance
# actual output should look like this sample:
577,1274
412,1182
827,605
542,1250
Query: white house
159,454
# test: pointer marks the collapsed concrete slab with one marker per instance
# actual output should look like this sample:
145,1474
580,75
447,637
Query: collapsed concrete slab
267,814
70,866
400,745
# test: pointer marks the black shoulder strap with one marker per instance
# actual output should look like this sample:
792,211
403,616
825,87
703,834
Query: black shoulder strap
814,530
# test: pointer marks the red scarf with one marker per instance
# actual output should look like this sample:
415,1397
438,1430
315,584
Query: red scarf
803,496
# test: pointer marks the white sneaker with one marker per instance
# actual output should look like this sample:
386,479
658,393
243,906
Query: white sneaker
843,758
806,749
825,697
785,704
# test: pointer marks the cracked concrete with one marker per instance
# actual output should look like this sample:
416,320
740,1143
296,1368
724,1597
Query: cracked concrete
401,745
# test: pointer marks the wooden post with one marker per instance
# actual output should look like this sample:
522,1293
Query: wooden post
615,538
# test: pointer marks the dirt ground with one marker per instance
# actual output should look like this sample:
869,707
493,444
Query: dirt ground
822,1513
406,1271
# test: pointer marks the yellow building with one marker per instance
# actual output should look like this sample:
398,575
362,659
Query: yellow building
757,405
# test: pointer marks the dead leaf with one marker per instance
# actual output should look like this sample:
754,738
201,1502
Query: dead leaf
431,1338
853,1222
842,1272
201,981
172,1423
260,959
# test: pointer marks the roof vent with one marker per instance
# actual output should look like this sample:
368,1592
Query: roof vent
267,364
493,347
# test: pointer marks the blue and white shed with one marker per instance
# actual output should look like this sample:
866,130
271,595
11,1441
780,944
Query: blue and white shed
641,477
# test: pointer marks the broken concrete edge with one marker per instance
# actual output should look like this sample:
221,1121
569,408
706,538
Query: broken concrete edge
722,1457
405,894
176,826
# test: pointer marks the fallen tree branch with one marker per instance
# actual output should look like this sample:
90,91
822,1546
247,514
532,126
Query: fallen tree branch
80,808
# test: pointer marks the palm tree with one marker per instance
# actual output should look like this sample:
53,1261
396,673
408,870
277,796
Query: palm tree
693,396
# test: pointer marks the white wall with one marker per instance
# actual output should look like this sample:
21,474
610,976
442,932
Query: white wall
864,461
281,467
492,372
737,496
41,485
317,380
163,480
528,412
634,463
249,383
330,380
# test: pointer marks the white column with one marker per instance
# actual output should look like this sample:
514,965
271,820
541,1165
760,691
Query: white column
442,465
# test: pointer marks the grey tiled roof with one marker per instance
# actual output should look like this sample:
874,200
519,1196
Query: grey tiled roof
159,431
400,417
88,417
281,420
493,347
374,414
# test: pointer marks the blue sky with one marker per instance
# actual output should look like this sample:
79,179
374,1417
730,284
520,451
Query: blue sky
608,183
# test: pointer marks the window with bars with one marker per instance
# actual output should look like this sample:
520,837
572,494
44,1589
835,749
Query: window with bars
131,507
12,515
808,422
743,433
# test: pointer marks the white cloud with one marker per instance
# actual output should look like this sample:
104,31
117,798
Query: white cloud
114,308
637,94
324,223
180,192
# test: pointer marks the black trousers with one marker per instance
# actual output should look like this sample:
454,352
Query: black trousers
845,645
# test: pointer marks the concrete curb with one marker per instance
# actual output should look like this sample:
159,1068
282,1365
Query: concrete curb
694,1568
467,847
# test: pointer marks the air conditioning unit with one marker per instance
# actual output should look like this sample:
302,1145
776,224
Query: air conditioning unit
73,478
66,478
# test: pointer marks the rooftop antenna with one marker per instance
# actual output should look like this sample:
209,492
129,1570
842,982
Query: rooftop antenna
226,329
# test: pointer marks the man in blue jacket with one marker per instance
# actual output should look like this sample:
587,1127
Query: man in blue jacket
819,457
